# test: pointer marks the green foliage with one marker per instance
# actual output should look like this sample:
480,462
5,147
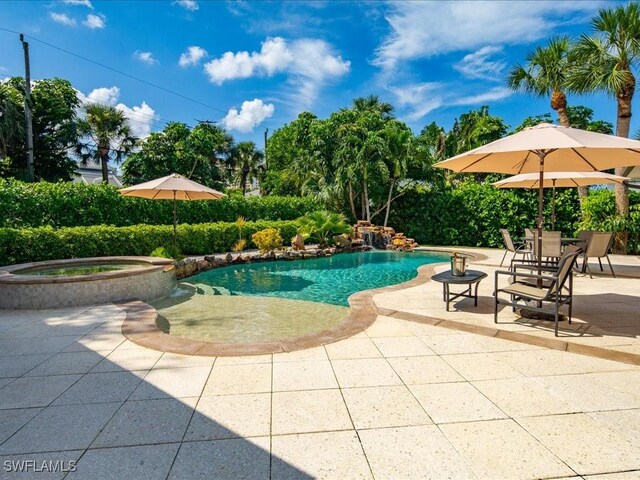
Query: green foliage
600,213
76,204
46,243
53,104
472,214
267,240
168,251
246,160
322,226
200,153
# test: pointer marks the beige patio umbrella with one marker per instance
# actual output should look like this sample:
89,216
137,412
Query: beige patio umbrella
548,148
560,180
172,187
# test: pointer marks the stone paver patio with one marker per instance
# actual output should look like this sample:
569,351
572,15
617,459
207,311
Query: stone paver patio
401,400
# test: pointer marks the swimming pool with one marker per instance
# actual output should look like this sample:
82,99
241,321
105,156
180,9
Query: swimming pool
325,280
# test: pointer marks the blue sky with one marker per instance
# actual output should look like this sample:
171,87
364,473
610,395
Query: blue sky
256,65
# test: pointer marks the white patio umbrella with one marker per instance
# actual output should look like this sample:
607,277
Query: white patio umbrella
548,148
560,180
172,187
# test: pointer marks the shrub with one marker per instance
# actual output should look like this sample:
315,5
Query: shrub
267,240
67,204
46,243
240,245
323,225
472,214
168,251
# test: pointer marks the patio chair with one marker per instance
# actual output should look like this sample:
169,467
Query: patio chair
583,239
511,247
532,291
551,245
598,247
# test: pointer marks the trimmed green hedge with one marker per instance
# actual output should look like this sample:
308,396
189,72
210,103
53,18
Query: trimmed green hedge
46,243
67,204
472,214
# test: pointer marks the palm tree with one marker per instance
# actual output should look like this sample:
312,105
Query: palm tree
372,103
545,74
247,160
604,62
107,136
399,142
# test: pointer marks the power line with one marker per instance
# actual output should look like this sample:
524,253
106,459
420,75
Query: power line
120,72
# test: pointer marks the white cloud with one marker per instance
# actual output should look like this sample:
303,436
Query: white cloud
63,19
480,65
140,117
145,57
421,98
309,63
84,3
491,95
252,113
95,21
190,5
426,29
192,56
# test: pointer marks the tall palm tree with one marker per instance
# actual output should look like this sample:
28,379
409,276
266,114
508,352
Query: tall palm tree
545,74
399,143
105,136
604,62
247,160
372,103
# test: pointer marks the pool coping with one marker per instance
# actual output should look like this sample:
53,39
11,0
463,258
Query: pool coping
140,325
10,274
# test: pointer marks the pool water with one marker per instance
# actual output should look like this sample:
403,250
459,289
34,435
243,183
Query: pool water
244,319
325,280
78,269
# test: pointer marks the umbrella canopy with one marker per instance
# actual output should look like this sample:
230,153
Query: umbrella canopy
560,180
172,187
548,148
564,149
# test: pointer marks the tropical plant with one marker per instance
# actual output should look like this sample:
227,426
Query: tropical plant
605,62
323,225
372,103
246,160
267,240
240,245
399,139
167,251
105,135
545,74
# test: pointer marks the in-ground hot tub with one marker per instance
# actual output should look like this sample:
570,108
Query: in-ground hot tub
85,281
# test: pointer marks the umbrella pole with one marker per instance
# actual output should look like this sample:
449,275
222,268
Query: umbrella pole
553,206
541,155
174,219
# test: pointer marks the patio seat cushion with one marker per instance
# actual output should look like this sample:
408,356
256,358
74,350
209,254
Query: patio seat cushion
525,290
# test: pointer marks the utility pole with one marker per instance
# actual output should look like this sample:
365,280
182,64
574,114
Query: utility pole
27,109
266,163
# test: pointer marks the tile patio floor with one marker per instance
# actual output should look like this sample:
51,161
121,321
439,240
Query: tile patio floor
401,400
